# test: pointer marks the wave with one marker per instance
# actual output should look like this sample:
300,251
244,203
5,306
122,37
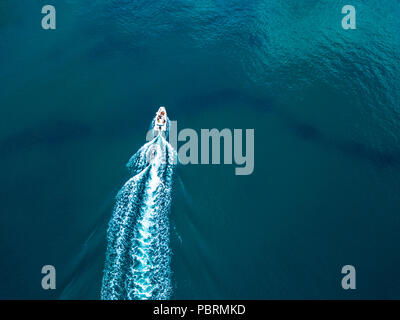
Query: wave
138,253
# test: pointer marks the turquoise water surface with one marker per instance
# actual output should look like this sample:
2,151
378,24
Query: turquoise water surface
76,103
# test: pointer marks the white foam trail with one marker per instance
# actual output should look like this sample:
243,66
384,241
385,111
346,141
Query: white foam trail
138,253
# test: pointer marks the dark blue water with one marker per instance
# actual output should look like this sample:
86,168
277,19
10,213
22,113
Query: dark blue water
324,102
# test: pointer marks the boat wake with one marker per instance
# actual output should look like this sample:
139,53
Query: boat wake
138,256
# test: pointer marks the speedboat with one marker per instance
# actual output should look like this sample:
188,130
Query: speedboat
160,123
